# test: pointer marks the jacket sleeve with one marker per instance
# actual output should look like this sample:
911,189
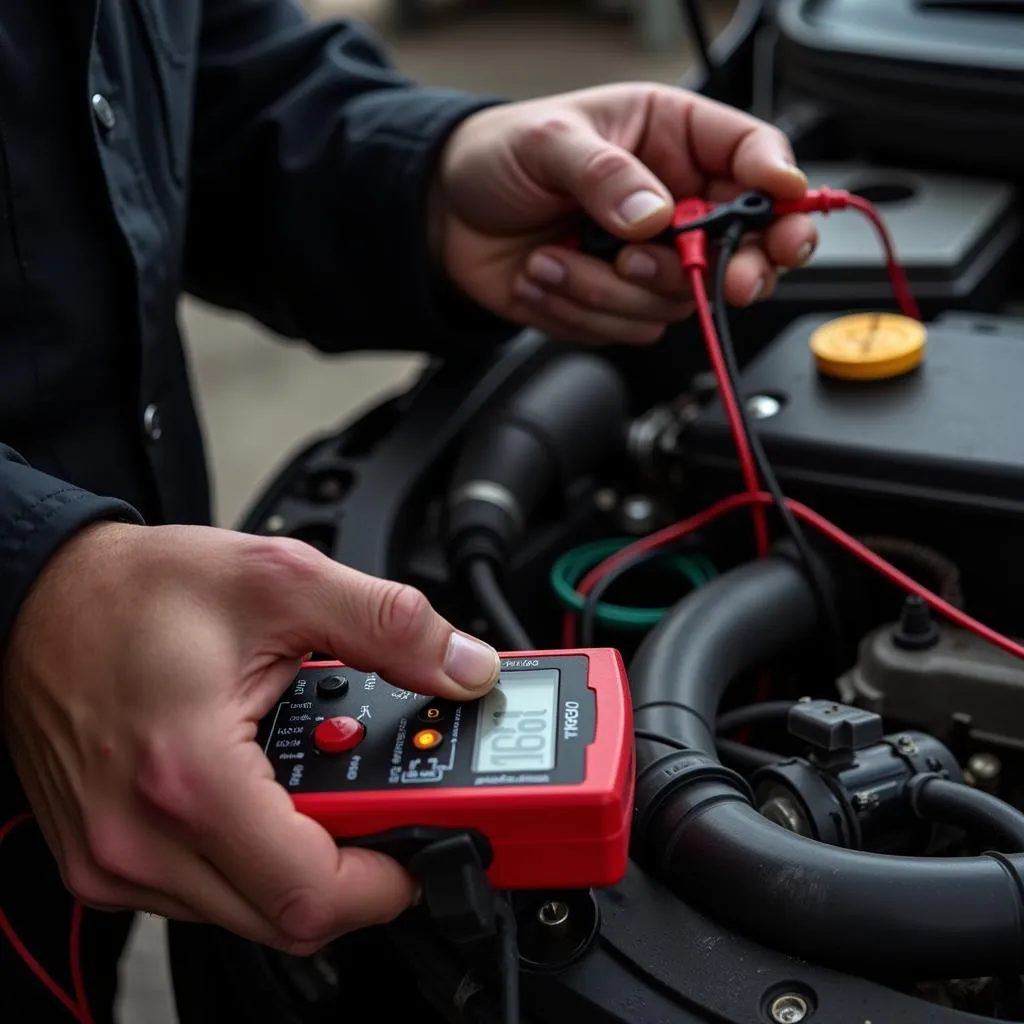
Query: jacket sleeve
37,514
311,163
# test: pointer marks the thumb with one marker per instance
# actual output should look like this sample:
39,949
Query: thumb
610,183
390,628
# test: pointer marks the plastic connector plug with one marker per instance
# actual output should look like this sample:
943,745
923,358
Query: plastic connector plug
456,891
692,246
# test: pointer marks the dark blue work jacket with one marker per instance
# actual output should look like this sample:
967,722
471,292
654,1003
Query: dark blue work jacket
231,149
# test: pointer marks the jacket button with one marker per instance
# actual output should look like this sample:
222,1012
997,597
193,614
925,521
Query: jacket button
103,110
151,421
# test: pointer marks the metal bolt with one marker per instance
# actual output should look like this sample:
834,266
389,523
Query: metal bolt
638,514
328,487
763,407
275,524
789,1009
865,801
906,745
787,814
985,767
553,913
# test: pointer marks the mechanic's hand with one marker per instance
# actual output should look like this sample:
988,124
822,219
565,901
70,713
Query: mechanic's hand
512,175
138,669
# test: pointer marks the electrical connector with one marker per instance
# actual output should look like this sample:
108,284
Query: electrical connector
818,200
465,909
695,220
692,244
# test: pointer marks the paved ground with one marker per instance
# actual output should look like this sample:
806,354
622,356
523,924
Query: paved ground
260,397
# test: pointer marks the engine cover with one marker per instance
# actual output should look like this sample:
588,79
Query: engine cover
947,435
934,456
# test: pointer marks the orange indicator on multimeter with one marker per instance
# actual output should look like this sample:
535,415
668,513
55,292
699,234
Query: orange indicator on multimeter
539,771
427,739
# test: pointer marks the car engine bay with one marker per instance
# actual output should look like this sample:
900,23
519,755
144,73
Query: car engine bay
830,733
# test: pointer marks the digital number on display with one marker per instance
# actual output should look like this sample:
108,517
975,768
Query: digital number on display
517,724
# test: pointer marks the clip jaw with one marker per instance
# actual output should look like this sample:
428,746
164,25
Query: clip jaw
753,210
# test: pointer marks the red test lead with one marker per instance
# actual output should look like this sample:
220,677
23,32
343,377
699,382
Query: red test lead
826,200
78,1005
691,244
754,211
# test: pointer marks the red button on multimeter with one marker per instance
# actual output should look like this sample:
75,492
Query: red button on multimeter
338,734
541,768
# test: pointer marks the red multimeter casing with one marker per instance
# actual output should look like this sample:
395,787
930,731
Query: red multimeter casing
541,768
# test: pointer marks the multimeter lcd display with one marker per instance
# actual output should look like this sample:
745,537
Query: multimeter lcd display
517,724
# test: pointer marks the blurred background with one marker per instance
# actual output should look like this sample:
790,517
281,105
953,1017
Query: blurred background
260,397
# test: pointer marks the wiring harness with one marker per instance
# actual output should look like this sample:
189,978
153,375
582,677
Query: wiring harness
694,223
694,566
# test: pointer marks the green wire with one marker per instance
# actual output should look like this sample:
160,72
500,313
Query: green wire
572,566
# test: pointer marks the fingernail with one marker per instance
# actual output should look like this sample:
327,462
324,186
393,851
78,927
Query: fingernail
790,168
470,662
546,269
757,291
641,205
804,253
527,290
640,264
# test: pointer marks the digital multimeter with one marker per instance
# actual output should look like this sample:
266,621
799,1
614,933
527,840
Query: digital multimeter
540,770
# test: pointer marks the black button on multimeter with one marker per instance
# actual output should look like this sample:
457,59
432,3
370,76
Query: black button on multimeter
332,686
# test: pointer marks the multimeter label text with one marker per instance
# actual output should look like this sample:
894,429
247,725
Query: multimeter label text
571,720
532,729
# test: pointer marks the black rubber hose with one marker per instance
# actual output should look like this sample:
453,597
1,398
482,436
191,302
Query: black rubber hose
754,714
697,831
861,913
980,814
742,758
739,620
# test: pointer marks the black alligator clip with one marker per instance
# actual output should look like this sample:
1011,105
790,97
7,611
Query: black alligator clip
754,210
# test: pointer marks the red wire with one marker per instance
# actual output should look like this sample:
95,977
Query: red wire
78,1007
671,534
821,201
732,411
897,275
825,200
75,956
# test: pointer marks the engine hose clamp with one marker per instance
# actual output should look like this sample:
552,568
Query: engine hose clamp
915,786
673,772
822,803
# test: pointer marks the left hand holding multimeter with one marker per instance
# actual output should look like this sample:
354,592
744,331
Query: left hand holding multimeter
538,773
528,787
141,770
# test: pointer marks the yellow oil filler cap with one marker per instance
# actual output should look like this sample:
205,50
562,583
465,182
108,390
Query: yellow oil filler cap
869,346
